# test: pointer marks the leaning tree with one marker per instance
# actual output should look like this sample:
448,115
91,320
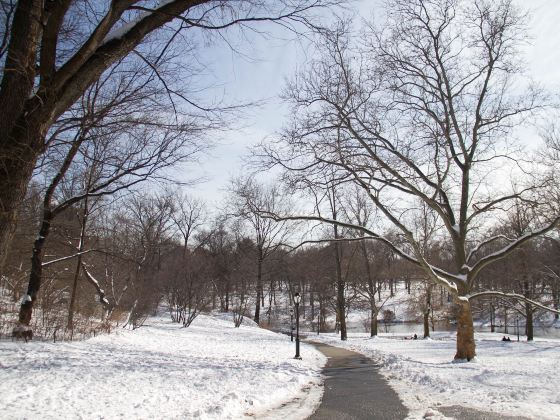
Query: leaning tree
421,113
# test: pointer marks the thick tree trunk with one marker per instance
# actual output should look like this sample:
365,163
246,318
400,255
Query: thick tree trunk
373,322
18,144
466,349
15,175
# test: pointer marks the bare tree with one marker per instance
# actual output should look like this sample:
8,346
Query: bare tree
186,279
376,257
221,245
53,51
107,149
149,217
188,217
421,113
187,284
247,196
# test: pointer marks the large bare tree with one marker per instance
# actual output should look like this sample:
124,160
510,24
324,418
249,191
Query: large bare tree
420,113
106,144
51,51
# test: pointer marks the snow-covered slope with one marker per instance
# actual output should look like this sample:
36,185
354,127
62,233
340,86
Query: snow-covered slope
210,370
510,378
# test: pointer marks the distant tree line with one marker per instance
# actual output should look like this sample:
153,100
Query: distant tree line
125,257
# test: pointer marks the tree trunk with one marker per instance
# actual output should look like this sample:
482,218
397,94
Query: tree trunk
465,332
73,296
373,322
528,292
556,298
432,319
320,316
340,300
270,299
35,276
427,312
259,290
20,143
14,180
426,324
492,318
312,305
70,323
529,321
226,306
371,292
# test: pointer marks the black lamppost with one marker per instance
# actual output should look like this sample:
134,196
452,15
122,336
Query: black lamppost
291,324
517,326
297,299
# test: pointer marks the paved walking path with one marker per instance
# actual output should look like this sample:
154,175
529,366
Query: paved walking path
354,389
458,412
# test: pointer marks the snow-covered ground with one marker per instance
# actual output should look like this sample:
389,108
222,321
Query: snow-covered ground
210,370
510,378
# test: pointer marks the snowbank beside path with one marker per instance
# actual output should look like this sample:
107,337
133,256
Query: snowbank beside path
509,378
210,370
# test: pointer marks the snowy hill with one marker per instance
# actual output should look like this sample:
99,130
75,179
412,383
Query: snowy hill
209,370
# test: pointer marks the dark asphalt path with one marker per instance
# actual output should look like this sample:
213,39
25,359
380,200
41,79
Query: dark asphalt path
354,389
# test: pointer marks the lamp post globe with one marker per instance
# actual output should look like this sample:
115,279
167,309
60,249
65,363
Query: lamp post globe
297,299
